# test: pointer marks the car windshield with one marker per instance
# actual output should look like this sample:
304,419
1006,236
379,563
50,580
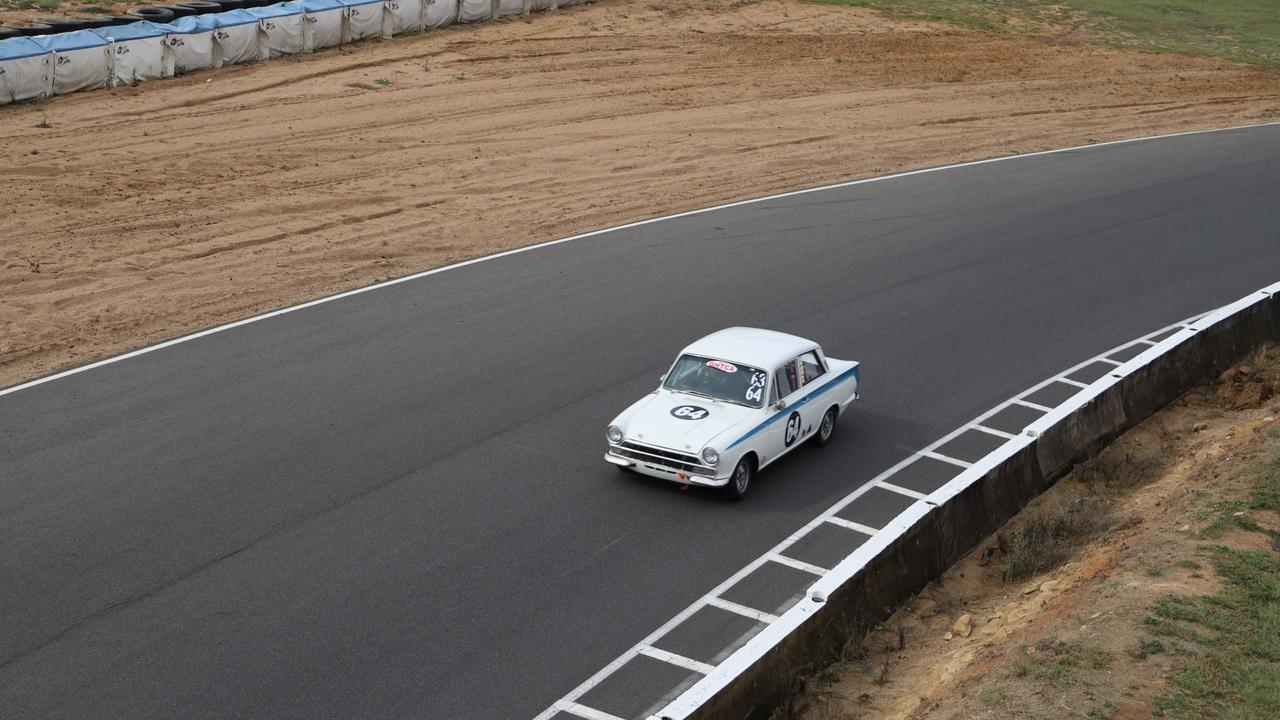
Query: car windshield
718,379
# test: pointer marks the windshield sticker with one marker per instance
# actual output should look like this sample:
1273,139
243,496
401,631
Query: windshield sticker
756,390
689,412
722,365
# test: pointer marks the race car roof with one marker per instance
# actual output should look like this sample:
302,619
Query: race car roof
764,349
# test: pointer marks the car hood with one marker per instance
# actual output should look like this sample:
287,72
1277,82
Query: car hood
659,420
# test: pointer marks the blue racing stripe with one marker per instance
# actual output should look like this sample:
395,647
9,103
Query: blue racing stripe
783,413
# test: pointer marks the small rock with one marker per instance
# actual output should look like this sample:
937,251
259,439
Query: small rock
1238,514
1049,585
1245,370
1200,426
1095,616
1185,528
1030,589
963,626
1229,376
35,152
948,637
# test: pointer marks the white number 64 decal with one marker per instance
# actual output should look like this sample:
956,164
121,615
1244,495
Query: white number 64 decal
793,429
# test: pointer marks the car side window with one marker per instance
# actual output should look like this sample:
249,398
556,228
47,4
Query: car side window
810,368
786,380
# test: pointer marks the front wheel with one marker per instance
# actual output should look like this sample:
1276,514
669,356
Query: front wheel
740,480
826,428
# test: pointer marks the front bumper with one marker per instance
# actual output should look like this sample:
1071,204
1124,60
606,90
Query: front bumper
655,468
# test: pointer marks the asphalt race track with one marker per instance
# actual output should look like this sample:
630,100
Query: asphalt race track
395,505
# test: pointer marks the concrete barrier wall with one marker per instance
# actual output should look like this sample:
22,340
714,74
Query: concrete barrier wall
932,535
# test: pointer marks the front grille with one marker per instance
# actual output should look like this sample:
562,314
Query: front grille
663,458
662,453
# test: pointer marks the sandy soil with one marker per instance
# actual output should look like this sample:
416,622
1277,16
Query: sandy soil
138,214
1066,643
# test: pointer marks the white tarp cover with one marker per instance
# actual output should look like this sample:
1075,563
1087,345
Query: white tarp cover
190,42
323,23
81,60
235,38
364,19
474,10
283,25
510,7
137,51
441,12
26,70
403,16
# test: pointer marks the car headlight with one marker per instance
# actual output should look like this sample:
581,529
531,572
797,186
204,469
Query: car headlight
614,433
710,456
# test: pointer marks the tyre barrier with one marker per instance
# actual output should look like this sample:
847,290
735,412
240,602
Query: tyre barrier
30,29
62,55
204,7
933,533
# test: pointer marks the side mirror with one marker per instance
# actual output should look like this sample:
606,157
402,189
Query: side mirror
780,405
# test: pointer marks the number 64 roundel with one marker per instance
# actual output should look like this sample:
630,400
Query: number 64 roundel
793,429
689,412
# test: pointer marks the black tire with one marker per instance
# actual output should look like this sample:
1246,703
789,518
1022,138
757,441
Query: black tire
154,13
826,428
7,32
203,7
180,10
123,19
257,3
32,29
97,22
61,25
740,481
229,4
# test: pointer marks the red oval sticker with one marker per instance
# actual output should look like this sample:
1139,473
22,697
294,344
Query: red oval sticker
722,365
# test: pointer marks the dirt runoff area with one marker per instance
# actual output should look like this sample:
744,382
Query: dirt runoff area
1147,583
137,214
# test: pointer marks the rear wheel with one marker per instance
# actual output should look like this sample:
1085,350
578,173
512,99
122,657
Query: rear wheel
826,428
740,481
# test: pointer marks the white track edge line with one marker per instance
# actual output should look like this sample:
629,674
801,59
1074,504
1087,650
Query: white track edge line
851,525
601,231
797,564
743,610
587,713
678,660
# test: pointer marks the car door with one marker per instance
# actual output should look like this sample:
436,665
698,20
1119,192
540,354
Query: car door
787,426
812,373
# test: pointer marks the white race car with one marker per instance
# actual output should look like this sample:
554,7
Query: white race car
732,403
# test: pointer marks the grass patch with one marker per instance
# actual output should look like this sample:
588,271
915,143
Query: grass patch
1232,667
1060,663
1241,30
1145,649
1234,672
1044,540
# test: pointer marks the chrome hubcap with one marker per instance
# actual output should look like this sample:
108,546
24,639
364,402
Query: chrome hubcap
740,477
